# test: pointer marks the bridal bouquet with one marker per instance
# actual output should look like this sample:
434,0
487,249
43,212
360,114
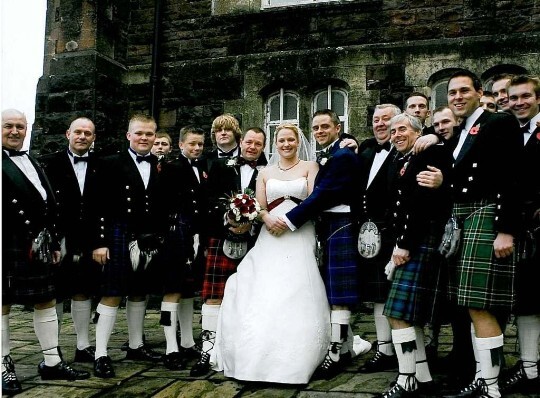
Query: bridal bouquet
243,207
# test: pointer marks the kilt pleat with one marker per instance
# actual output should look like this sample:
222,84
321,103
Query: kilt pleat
477,279
418,289
338,235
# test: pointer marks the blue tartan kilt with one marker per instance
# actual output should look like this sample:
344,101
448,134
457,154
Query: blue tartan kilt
477,279
418,289
23,281
338,236
118,278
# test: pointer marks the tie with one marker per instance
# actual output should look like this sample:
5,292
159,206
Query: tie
140,159
385,146
14,152
525,129
250,163
77,159
223,154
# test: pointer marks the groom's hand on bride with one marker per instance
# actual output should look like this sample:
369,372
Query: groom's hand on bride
275,225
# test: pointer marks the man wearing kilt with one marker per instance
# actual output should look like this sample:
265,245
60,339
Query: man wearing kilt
524,103
125,237
375,156
227,177
184,200
29,250
330,202
72,173
486,206
419,215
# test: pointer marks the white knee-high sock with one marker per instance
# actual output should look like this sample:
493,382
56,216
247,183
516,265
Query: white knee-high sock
490,372
406,360
60,315
383,330
81,313
528,335
169,329
185,318
478,371
339,323
423,374
209,323
46,328
135,311
5,338
104,328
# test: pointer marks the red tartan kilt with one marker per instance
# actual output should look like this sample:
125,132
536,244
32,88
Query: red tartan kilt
218,269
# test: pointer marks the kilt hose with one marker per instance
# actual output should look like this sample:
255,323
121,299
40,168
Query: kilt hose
418,289
373,283
118,278
218,269
477,279
338,236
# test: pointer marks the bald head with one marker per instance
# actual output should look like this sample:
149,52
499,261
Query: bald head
13,128
81,135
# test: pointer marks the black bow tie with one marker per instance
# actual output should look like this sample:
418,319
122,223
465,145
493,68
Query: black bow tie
140,159
525,129
193,162
250,163
14,152
385,146
77,159
230,154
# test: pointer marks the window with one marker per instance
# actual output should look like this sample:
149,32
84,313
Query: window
280,108
335,99
284,3
439,94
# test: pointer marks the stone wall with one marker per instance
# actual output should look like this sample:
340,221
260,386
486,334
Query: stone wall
217,56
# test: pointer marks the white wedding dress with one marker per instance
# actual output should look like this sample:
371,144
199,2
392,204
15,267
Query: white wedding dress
274,322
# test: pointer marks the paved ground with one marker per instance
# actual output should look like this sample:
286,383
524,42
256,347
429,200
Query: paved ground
139,379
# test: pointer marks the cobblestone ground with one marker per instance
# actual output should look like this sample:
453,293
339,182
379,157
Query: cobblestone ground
140,379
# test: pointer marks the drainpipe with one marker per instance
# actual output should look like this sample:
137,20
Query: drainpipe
154,77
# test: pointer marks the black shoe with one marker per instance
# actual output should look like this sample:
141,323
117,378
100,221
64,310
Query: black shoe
397,392
61,371
428,389
475,389
202,366
379,362
191,352
516,380
85,355
125,346
10,383
143,353
174,361
431,354
103,367
328,369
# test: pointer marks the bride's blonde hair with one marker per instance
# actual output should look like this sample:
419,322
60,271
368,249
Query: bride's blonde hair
292,127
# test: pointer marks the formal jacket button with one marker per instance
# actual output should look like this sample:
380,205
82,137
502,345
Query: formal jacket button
14,201
496,218
395,214
398,203
464,190
102,227
499,207
27,222
21,212
475,165
127,186
102,219
128,199
470,178
196,211
101,236
498,196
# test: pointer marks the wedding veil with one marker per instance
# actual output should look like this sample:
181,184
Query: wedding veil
304,151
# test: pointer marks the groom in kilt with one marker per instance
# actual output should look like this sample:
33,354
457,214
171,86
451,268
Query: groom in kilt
227,176
487,209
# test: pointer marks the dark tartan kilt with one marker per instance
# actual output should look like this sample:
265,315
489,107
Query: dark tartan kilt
77,277
25,282
118,278
477,279
417,289
527,278
338,235
373,283
218,269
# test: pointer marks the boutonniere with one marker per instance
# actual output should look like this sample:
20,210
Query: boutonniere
403,169
205,176
232,162
323,157
474,130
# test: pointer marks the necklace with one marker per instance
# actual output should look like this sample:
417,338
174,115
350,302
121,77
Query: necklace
288,168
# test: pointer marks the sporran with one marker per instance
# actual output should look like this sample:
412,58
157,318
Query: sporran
369,240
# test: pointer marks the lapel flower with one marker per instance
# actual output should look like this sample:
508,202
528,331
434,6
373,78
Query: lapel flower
323,157
205,176
474,130
232,161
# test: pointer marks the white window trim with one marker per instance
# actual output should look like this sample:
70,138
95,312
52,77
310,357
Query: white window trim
344,119
268,150
291,3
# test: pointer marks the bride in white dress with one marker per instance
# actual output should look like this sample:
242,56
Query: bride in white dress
274,322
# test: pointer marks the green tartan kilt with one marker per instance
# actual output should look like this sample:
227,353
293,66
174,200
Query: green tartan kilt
477,279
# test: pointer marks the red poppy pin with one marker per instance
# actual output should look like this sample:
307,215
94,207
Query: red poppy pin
538,136
474,129
205,176
402,171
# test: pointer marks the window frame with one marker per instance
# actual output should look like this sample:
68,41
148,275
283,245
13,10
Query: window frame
269,149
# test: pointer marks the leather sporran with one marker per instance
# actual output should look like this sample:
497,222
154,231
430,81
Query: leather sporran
41,251
369,240
451,238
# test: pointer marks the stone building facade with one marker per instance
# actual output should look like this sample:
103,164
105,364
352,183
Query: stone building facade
266,61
